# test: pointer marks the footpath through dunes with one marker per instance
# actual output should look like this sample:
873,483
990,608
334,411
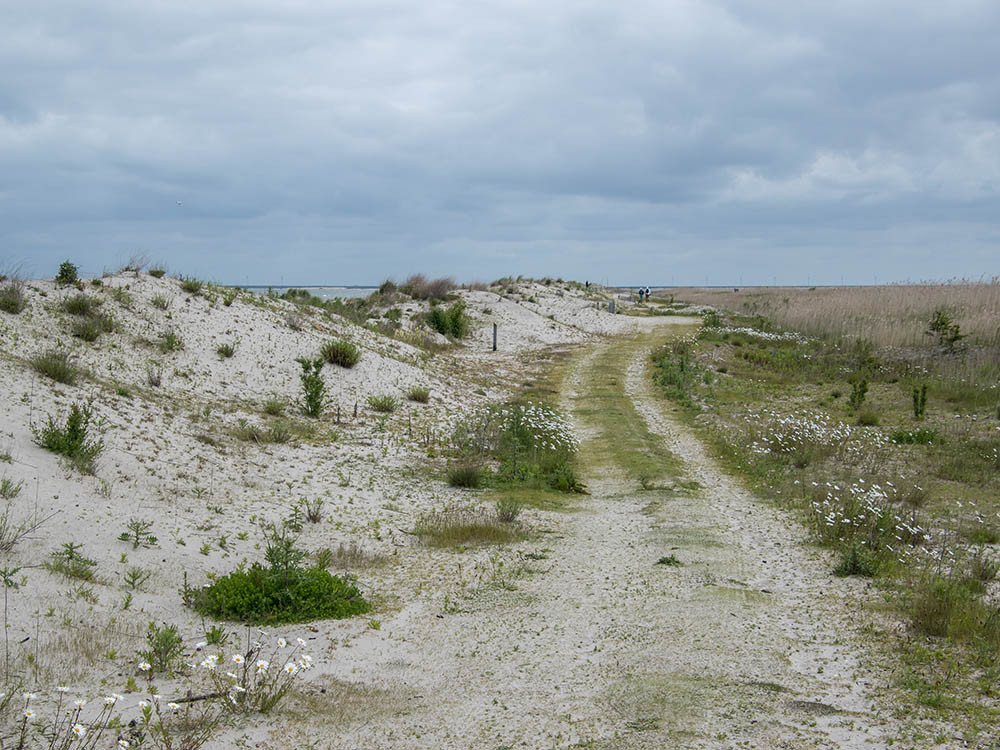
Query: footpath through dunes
667,609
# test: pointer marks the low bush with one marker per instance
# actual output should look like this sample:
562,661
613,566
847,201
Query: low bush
171,342
468,476
12,297
274,406
157,272
384,403
341,352
508,509
451,321
281,592
91,327
419,394
72,440
420,287
225,351
191,285
80,304
56,364
857,562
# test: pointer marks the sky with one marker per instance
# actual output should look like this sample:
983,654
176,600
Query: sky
668,142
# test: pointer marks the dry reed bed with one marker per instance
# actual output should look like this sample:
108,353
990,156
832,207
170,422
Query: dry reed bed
894,316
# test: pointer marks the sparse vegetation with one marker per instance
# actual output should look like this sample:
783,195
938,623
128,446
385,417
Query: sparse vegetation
341,352
13,300
225,351
160,302
171,341
469,476
157,272
420,287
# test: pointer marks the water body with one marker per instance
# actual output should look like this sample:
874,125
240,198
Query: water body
323,292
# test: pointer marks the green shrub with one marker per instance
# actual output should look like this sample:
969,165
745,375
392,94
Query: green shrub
919,401
669,560
56,363
160,302
859,389
419,394
225,351
341,352
86,329
164,646
191,285
157,273
384,403
451,321
313,387
71,563
420,287
171,342
508,509
12,297
67,273
468,476
282,592
80,304
948,332
71,440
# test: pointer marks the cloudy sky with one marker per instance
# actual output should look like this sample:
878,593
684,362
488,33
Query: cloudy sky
653,141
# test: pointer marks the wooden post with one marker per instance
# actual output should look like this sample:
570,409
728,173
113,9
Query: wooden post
355,409
611,307
494,337
338,413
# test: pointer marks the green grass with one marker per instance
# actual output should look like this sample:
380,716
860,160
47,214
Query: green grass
465,528
384,403
80,304
56,364
72,440
12,297
341,352
624,440
419,394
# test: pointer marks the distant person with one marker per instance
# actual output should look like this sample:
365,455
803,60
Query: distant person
587,284
647,293
640,294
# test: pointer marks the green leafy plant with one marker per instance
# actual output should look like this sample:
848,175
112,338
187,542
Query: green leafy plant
283,591
72,440
134,577
137,532
216,636
9,489
341,352
313,387
67,274
225,350
171,341
857,561
164,646
669,560
922,436
859,389
160,302
451,321
919,401
157,272
70,561
384,403
229,297
948,332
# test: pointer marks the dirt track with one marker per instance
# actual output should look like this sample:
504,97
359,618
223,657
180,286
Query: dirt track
747,643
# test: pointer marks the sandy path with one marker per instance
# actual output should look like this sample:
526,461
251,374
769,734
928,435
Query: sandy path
598,646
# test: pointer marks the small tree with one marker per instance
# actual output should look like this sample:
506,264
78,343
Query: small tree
948,332
67,273
313,387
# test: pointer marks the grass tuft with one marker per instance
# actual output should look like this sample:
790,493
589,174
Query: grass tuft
341,352
56,364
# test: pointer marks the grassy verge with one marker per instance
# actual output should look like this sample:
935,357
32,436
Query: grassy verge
905,493
623,438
